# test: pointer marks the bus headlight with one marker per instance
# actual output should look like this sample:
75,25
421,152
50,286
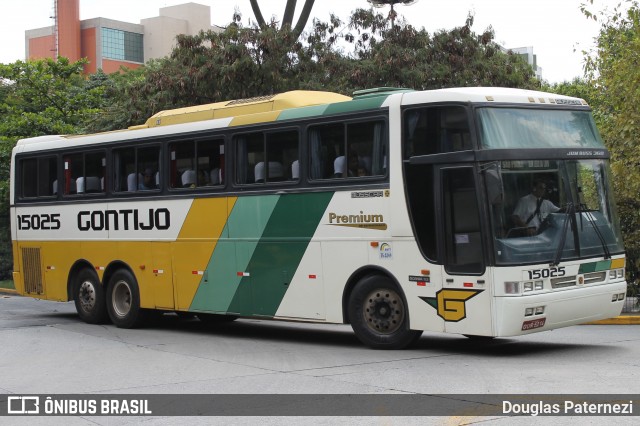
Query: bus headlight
512,287
528,286
616,274
538,285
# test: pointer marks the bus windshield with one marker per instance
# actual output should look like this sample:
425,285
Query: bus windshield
537,128
551,210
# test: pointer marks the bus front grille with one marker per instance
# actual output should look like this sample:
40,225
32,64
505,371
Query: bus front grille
590,278
595,277
31,267
563,282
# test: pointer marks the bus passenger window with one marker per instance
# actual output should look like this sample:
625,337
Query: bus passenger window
39,177
210,162
136,169
265,157
348,150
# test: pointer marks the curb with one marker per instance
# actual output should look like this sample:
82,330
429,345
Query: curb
620,320
9,291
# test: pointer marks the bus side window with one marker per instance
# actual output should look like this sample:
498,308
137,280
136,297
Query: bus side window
352,150
326,144
136,169
435,130
210,162
282,149
38,177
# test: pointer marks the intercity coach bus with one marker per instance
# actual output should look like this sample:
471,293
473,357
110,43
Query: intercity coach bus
394,211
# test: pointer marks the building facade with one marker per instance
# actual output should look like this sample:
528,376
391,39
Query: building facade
109,44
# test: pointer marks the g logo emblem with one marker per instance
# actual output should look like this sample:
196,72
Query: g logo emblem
450,303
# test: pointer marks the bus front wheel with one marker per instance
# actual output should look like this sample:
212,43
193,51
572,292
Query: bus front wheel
379,315
88,296
123,300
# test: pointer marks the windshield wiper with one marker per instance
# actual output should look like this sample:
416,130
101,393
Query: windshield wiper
587,213
563,237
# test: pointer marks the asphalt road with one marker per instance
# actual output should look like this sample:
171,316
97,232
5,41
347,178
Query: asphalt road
46,349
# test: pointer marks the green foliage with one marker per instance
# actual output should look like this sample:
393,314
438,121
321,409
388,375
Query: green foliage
244,62
45,97
40,98
612,88
615,73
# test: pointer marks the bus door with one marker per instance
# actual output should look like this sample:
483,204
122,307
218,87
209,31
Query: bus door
465,293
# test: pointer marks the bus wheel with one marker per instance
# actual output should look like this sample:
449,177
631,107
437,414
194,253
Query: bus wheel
88,295
216,318
379,316
123,300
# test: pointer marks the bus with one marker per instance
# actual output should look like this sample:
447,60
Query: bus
394,211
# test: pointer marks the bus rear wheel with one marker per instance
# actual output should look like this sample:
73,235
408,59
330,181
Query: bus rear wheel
89,297
123,300
379,315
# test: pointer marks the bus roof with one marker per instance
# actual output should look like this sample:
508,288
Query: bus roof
291,105
242,107
490,94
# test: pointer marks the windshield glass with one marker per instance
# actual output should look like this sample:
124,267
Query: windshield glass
537,128
551,210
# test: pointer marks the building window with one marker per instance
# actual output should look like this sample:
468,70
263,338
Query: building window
122,45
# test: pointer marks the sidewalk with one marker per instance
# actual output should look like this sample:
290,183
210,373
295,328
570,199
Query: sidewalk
624,319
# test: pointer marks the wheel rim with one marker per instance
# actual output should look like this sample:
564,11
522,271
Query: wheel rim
121,299
383,311
87,296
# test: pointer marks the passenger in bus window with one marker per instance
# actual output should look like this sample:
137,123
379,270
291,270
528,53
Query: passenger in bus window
532,209
203,177
355,167
148,181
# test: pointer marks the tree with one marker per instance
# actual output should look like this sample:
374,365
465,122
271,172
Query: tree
45,97
244,62
39,98
287,19
613,69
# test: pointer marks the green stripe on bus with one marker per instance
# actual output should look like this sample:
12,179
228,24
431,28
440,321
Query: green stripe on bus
279,252
355,105
602,265
249,273
244,227
298,113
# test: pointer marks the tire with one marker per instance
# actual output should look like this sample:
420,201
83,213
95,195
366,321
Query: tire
379,315
123,300
89,297
216,318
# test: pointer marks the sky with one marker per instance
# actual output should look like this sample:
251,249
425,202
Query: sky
556,29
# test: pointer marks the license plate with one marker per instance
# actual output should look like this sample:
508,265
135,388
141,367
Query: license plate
531,324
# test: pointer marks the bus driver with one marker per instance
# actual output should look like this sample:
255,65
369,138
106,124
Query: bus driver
532,209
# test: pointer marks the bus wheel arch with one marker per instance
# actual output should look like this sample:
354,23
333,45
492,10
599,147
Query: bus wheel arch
87,292
376,308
